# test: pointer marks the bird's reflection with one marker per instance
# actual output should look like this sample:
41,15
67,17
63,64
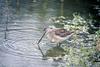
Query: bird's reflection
55,52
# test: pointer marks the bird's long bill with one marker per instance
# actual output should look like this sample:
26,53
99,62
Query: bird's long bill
39,42
41,37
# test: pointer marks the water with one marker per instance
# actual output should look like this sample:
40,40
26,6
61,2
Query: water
25,27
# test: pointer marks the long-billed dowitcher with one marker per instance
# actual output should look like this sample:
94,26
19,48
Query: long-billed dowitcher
57,35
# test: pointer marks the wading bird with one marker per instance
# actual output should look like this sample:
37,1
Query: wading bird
57,35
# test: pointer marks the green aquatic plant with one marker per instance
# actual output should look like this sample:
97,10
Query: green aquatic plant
77,56
81,46
98,33
77,23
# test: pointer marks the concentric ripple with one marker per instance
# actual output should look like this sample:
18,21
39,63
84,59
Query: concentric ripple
23,47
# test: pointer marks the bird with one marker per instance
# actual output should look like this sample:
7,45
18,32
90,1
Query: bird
58,35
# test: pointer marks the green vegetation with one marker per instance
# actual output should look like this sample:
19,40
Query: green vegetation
81,46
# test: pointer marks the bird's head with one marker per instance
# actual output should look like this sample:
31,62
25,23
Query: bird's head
50,28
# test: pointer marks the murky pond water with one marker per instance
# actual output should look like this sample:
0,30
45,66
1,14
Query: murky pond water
20,47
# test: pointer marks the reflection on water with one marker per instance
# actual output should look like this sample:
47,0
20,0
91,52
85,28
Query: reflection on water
55,52
24,30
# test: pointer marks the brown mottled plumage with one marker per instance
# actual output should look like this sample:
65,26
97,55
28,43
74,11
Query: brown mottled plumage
62,32
57,35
